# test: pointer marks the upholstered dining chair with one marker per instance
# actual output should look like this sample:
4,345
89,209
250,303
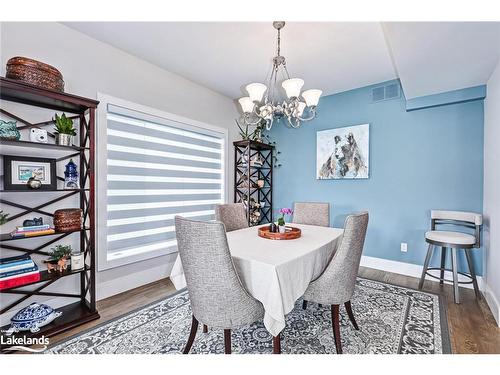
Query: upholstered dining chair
217,295
336,284
233,215
312,213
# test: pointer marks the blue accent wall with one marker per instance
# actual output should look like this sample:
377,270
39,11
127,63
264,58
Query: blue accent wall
420,160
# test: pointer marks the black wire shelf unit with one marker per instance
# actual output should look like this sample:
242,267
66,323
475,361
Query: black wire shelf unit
253,180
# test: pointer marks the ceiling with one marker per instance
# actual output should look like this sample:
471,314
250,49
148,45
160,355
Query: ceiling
332,56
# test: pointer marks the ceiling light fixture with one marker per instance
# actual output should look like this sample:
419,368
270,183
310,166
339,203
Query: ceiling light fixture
263,101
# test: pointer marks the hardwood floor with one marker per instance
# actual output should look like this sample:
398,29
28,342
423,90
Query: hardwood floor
472,326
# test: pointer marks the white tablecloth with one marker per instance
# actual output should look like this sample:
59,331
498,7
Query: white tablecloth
276,273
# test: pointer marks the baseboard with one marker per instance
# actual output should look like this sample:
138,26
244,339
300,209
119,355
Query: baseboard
492,302
408,269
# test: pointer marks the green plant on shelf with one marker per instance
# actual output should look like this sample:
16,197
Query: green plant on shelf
64,125
3,217
60,252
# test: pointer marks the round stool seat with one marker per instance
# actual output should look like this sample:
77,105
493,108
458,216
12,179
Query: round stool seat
450,238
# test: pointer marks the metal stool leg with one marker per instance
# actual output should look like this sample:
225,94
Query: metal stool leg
454,267
470,262
443,264
426,265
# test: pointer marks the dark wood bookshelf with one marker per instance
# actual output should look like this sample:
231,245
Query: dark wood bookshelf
246,176
83,111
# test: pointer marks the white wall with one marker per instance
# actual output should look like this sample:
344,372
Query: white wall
89,67
492,192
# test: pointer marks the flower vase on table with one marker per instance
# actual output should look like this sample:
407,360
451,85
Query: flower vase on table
281,219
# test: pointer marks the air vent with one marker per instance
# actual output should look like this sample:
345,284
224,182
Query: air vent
387,92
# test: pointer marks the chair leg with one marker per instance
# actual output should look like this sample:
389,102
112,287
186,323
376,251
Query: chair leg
426,265
470,262
443,264
304,304
336,328
454,267
348,308
192,335
205,328
277,344
227,341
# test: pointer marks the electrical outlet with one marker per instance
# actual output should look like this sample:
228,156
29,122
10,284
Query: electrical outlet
404,247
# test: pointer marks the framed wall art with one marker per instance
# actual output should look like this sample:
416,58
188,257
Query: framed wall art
343,153
19,169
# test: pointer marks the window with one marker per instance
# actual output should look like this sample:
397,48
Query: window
157,166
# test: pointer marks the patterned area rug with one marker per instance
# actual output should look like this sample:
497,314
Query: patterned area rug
392,319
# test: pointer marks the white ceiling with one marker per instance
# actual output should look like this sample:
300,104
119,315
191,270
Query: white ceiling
433,57
332,56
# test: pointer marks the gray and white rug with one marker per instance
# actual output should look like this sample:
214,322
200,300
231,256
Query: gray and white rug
392,319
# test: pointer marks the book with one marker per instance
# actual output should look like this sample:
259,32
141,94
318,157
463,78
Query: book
27,278
32,228
13,264
32,234
14,259
17,267
21,271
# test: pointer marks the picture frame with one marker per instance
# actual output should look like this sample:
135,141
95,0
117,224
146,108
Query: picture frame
18,169
343,153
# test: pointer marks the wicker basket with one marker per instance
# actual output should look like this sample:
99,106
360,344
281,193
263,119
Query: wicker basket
35,73
68,220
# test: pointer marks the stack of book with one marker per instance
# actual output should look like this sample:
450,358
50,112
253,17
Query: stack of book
19,270
37,230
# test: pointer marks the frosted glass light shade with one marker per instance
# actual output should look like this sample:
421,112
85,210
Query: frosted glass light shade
312,97
292,87
256,91
246,104
300,108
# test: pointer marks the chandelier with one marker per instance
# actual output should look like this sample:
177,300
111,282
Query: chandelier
263,103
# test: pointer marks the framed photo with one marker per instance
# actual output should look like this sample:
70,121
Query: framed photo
343,153
19,169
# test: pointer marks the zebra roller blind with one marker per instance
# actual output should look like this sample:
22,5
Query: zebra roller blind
156,169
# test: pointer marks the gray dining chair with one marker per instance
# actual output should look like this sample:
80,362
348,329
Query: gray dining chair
233,215
217,295
335,286
312,213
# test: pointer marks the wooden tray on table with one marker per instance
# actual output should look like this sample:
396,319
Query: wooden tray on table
291,233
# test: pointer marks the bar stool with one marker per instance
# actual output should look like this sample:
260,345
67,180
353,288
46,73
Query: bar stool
455,241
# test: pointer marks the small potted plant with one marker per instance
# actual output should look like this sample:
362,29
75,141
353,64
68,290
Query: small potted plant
64,130
59,256
3,217
281,219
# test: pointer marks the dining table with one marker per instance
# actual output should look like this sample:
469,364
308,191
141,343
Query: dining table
276,272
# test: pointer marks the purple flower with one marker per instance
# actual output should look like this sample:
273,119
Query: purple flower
286,211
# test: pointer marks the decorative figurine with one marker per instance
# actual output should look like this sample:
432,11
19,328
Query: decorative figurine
34,183
33,222
38,135
272,228
71,176
32,318
9,131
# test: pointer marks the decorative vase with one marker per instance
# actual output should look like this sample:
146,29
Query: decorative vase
71,176
9,131
64,139
282,228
